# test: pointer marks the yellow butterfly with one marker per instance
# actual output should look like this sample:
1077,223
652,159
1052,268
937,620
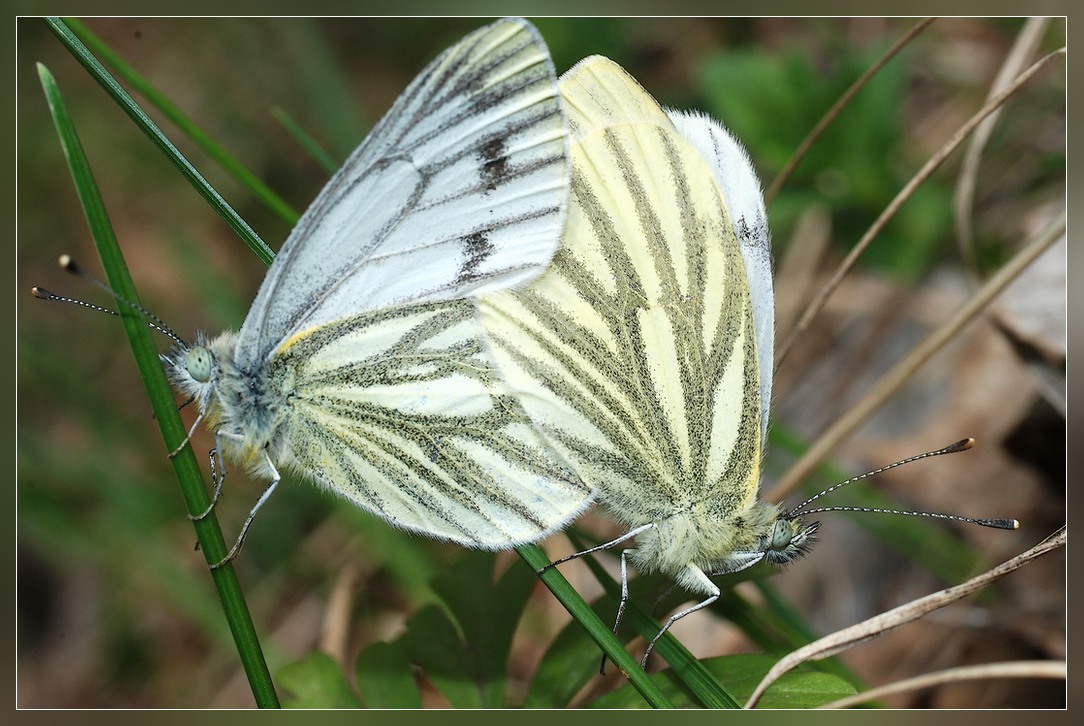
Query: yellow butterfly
644,352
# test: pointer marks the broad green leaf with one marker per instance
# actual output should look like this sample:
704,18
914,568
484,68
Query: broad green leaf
464,647
385,679
316,681
741,674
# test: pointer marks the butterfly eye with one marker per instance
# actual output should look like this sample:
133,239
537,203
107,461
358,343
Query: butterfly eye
200,363
782,534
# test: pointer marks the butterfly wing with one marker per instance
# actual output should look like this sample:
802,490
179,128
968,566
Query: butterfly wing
400,411
460,188
740,186
635,353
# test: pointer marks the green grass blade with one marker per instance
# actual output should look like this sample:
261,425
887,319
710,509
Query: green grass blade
161,398
303,137
594,626
570,662
703,685
170,110
803,690
130,107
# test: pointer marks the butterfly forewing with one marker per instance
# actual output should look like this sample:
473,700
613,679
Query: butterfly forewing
459,189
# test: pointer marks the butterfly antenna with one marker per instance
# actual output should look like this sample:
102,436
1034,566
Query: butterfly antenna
961,445
153,321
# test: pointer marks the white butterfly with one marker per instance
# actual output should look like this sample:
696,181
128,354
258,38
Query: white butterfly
644,353
361,363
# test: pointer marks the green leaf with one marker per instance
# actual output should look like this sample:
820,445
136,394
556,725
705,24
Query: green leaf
741,674
487,612
464,649
316,681
385,679
431,641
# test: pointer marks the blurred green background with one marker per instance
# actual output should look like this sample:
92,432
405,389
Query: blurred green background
116,610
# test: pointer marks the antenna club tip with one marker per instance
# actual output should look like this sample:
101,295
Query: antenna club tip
68,264
962,444
40,292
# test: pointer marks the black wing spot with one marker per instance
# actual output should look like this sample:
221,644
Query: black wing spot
495,167
477,248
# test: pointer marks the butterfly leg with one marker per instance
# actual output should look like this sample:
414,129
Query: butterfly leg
627,536
188,436
621,605
713,594
624,574
251,516
218,476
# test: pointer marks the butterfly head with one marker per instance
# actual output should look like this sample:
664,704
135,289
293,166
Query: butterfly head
196,371
777,541
789,539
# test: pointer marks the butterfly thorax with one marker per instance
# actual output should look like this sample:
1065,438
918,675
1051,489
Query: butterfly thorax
698,538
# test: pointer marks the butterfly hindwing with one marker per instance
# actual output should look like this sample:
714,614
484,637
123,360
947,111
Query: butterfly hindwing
637,346
400,411
730,164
